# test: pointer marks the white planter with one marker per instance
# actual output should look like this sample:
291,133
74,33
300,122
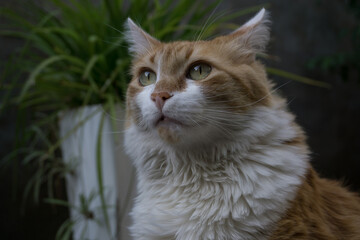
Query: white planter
96,165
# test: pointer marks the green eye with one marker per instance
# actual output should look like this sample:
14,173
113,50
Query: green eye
199,71
147,78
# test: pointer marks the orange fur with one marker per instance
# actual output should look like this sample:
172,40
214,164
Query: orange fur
241,85
321,210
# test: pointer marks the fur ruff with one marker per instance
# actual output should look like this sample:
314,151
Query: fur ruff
232,190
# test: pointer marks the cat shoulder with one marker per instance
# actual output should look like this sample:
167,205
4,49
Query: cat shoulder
322,209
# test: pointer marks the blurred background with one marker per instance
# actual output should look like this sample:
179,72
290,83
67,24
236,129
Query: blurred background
319,39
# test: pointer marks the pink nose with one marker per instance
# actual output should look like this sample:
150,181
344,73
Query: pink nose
159,98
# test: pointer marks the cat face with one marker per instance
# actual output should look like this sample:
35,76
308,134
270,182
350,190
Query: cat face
195,92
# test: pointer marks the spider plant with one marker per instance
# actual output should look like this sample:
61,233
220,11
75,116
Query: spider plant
83,211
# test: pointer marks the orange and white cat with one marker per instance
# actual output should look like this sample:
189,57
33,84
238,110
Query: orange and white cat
217,153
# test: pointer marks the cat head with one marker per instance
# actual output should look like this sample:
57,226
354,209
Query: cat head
194,92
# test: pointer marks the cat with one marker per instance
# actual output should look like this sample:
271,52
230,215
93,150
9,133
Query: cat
217,153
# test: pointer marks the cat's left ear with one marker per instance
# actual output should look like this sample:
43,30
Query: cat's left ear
253,36
140,41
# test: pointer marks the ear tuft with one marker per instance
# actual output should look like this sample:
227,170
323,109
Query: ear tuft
257,19
254,34
140,42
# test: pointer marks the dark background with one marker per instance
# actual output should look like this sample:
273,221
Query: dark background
301,31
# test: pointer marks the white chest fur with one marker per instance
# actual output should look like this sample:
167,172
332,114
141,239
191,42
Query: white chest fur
234,190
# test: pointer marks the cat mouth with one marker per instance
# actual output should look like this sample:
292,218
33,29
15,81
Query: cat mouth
167,121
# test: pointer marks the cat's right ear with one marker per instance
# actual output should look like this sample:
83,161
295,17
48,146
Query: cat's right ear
252,37
140,42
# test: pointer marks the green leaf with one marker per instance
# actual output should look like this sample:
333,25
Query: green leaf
90,65
100,172
32,156
292,76
36,72
58,202
15,18
64,232
43,65
16,34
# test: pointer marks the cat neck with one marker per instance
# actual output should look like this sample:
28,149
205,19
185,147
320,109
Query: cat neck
250,180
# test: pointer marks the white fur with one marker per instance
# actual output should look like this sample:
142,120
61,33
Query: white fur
236,188
140,41
255,33
186,106
256,19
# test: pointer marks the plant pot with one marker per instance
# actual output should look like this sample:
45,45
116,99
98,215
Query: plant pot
100,185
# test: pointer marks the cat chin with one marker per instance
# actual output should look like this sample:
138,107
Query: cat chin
169,133
187,137
175,134
171,130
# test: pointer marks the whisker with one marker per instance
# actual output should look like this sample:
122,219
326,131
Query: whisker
291,100
207,20
274,90
212,22
116,43
246,105
218,125
111,116
193,120
114,132
114,28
